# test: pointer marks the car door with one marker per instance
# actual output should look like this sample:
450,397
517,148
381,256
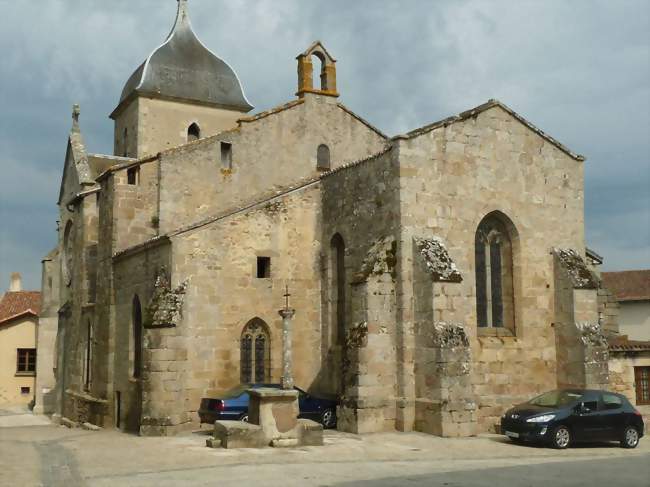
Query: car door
612,416
586,419
308,406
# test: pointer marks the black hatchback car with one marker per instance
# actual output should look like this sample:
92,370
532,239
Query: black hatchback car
563,417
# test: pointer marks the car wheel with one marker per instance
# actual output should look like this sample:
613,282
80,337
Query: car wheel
328,418
561,437
244,418
630,437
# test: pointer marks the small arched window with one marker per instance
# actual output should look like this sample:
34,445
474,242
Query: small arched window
494,272
323,158
137,337
255,352
193,133
337,286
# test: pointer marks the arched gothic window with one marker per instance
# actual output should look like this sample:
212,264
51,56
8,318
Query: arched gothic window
88,357
137,337
193,133
494,270
323,158
337,251
255,352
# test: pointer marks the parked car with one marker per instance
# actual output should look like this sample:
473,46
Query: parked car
563,417
234,406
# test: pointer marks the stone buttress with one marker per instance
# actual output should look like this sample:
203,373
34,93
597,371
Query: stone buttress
582,356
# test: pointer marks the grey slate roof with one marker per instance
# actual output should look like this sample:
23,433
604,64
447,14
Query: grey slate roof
183,68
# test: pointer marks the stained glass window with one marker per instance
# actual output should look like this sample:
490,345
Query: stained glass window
260,362
494,280
246,359
255,353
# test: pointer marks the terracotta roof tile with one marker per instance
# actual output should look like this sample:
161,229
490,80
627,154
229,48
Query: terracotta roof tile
623,344
628,285
15,304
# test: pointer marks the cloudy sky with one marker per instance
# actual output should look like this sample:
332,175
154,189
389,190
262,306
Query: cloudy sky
580,70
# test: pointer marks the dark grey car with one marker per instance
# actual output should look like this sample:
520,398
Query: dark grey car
567,416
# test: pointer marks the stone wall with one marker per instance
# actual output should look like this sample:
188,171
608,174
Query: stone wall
451,177
360,203
151,399
77,296
445,404
216,263
155,125
135,206
608,311
581,343
128,120
621,375
269,153
45,394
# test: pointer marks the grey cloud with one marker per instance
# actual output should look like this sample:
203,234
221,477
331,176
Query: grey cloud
580,70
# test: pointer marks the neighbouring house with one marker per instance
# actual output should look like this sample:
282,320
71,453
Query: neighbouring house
439,276
629,369
629,352
18,327
632,292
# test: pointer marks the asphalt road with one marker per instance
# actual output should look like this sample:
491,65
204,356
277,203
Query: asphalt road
36,453
615,472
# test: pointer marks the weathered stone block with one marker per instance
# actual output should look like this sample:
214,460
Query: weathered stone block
237,434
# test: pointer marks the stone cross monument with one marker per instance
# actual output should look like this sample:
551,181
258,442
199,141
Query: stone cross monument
287,357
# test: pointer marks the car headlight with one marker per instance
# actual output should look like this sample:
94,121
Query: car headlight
545,418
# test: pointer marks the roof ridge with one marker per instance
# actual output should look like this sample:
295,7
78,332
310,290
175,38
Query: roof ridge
625,271
267,198
271,111
472,112
358,162
296,186
362,120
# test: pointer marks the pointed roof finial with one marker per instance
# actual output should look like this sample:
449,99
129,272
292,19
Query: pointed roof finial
183,13
76,112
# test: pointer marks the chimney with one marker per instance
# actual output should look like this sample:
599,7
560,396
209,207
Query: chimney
16,283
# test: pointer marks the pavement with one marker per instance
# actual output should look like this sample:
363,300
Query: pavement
55,456
17,416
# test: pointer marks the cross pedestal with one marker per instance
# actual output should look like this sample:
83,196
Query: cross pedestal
272,413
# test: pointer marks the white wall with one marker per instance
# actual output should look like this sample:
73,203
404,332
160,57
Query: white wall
634,319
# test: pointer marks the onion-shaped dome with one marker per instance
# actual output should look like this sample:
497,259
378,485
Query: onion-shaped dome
183,68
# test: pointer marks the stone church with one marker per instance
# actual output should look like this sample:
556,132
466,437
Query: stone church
438,276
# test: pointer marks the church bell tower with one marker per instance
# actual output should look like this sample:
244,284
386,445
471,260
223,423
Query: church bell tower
180,93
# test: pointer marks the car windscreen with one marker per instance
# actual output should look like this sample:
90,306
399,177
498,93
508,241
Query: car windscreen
555,399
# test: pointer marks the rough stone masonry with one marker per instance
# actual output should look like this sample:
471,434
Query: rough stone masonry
438,276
